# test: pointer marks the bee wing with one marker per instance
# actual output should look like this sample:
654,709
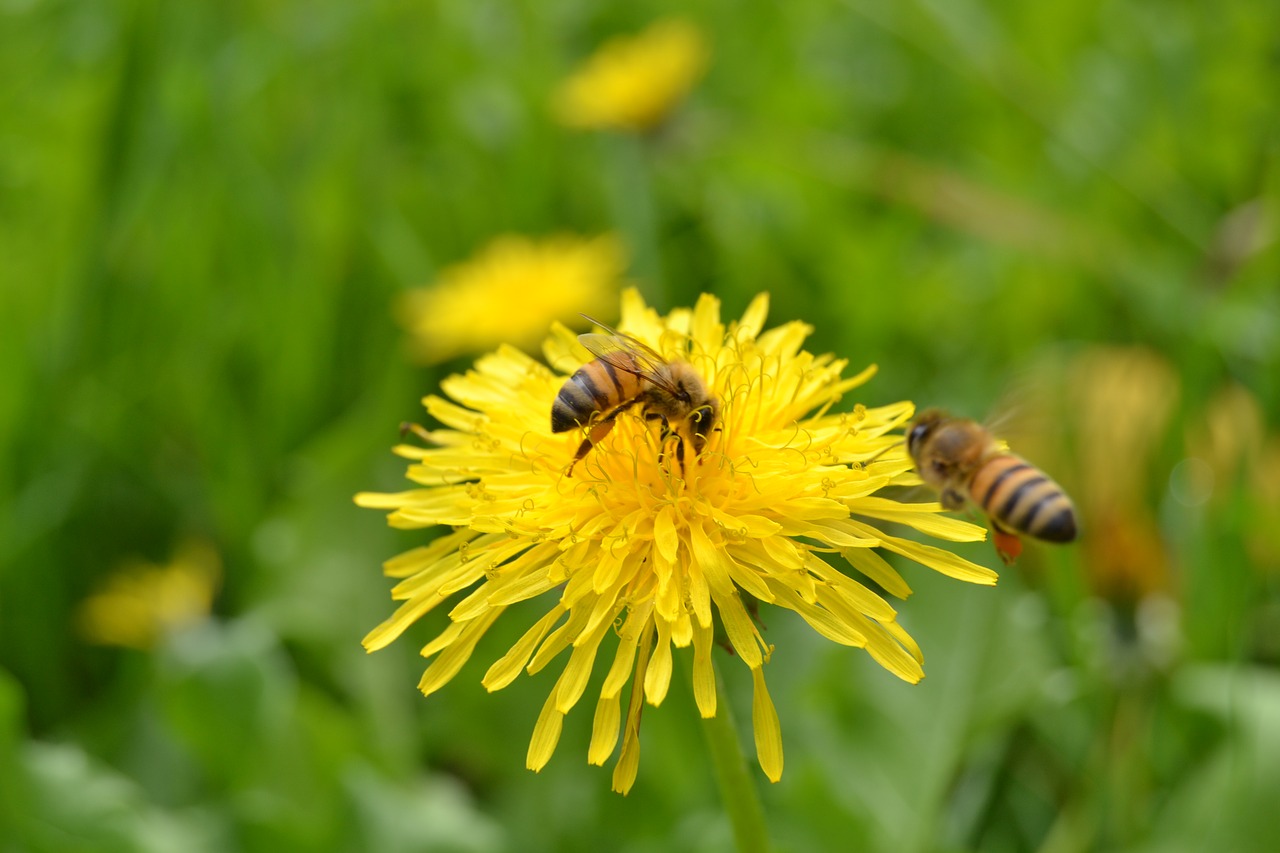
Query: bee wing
615,340
647,363
610,347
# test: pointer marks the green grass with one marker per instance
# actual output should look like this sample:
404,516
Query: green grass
207,209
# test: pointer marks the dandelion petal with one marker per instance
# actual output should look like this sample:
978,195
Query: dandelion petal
768,731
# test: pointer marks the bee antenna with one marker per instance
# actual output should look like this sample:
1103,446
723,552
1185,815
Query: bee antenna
882,451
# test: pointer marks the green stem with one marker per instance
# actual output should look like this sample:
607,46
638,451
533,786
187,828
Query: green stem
634,212
737,788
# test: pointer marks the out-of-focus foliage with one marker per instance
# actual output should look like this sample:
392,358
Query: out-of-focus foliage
207,212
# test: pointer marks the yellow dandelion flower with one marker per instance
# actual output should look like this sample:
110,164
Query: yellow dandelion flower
633,83
510,293
779,505
142,602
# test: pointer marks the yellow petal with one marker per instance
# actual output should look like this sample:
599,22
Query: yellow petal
768,731
638,624
562,350
819,618
546,734
877,569
445,667
707,331
405,615
746,571
604,729
884,645
665,536
923,517
606,571
574,678
704,676
905,640
682,631
529,585
710,560
942,561
863,599
505,669
560,639
444,639
658,674
699,595
753,318
418,559
624,773
738,625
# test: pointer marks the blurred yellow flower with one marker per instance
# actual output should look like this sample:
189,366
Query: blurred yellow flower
1105,411
141,603
1241,456
1121,399
1229,437
510,293
633,83
779,506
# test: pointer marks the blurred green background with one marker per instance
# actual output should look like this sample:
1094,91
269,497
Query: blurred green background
207,211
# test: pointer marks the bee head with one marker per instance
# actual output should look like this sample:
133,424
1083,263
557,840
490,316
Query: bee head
921,428
702,419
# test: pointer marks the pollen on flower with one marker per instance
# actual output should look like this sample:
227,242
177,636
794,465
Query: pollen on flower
633,83
509,293
640,554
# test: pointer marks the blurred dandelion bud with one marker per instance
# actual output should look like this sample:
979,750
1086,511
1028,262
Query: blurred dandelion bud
1243,461
1113,406
633,83
1229,437
510,293
141,603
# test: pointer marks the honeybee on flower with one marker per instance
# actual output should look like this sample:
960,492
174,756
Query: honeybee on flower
625,374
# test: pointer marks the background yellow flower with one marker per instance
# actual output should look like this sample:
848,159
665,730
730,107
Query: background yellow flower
633,82
509,292
141,602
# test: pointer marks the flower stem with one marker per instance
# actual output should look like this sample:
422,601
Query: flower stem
737,788
632,198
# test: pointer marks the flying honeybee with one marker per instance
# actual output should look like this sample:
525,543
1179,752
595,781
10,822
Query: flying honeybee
960,459
626,374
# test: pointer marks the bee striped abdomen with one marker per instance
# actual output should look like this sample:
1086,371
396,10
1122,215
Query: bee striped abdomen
1022,498
596,387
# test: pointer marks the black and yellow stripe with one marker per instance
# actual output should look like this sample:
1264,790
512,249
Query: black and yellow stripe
596,387
1020,497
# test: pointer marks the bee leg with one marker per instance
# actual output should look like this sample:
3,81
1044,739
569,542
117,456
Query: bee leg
595,435
668,432
665,433
952,499
1008,545
701,441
